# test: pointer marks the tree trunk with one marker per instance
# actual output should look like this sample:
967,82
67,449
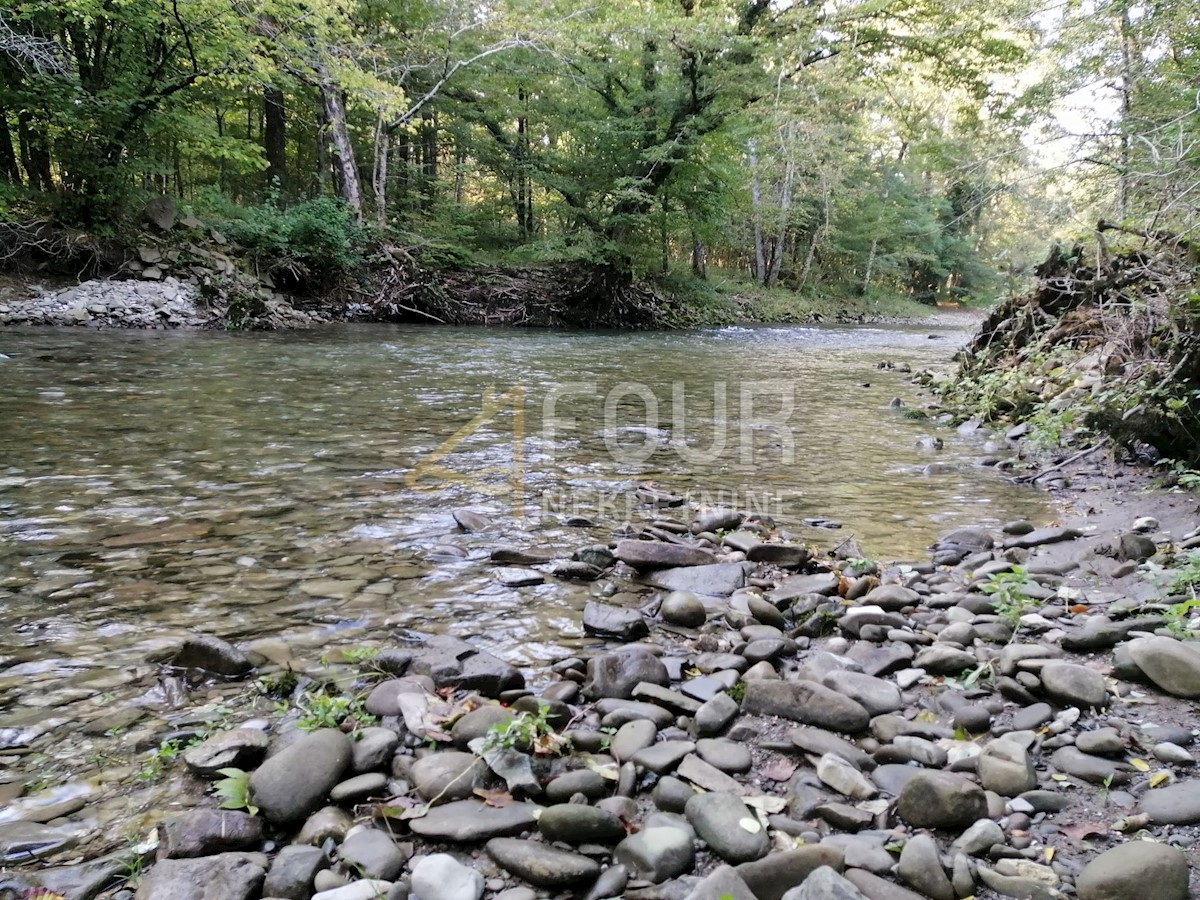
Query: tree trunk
664,238
383,148
760,261
699,257
35,155
9,167
275,137
429,158
345,167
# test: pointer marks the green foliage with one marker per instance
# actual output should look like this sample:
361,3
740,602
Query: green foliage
524,732
316,239
737,692
158,761
281,685
1009,591
234,790
323,710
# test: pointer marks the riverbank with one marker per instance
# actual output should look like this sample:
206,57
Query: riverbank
751,717
538,298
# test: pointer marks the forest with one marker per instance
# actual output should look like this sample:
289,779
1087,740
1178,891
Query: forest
860,150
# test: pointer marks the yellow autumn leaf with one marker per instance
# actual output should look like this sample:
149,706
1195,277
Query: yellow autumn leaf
1140,764
1158,779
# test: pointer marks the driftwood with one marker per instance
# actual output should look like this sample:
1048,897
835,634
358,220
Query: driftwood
574,295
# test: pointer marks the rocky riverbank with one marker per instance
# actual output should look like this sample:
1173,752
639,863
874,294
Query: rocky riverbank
1009,717
158,304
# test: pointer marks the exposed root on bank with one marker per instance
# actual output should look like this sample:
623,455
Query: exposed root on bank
572,295
1107,341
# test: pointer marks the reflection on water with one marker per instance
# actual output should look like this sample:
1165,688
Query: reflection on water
297,485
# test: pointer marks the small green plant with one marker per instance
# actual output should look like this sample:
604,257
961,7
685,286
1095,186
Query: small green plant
281,685
360,655
160,760
737,692
1178,618
323,710
1106,789
234,790
525,731
1010,591
1186,578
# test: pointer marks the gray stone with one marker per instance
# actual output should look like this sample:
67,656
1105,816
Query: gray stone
230,876
647,555
728,756
1093,769
825,884
330,823
921,867
474,820
541,864
515,576
875,888
979,838
1142,869
576,823
942,659
365,889
662,757
295,782
656,854
446,776
1074,685
840,775
241,748
478,722
1174,804
373,854
442,877
683,608
1006,768
892,597
611,883
374,749
723,883
940,800
806,702
731,830
717,580
617,674
775,874
212,655
360,787
580,781
292,872
1172,665
633,737
1031,717
455,663
873,694
820,742
714,715
205,832
1102,741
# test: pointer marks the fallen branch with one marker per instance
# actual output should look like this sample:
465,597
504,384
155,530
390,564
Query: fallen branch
1030,479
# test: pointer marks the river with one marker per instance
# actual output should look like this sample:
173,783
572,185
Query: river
300,486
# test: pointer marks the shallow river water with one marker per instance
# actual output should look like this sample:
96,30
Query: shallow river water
300,486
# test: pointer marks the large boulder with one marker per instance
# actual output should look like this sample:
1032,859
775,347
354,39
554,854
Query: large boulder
295,782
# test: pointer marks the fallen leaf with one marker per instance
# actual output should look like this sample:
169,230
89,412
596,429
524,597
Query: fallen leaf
926,716
1140,764
1048,854
1079,608
779,769
750,825
497,798
608,771
765,803
1083,830
1158,779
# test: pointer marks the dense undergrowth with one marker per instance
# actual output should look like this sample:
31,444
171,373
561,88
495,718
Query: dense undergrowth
1106,344
316,254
